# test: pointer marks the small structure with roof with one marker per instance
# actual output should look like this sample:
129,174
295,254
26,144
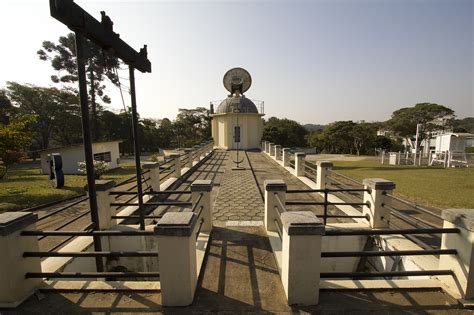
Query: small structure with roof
450,149
107,151
237,122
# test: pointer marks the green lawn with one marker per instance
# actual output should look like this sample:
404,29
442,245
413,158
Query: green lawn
25,186
435,187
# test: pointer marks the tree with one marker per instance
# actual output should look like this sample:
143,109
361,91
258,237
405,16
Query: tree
99,67
285,132
49,105
165,133
464,125
363,135
431,117
7,110
337,137
191,126
15,137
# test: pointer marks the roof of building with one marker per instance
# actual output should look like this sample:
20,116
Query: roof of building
234,104
76,145
458,134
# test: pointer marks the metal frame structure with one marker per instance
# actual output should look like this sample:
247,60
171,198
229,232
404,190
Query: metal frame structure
101,33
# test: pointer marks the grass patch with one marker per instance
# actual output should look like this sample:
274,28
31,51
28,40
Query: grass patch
24,186
435,187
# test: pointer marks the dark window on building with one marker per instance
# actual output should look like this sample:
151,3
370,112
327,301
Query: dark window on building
104,156
237,134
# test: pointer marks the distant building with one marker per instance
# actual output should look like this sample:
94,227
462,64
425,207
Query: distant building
71,155
453,142
237,122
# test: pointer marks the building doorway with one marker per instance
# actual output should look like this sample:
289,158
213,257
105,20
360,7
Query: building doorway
236,138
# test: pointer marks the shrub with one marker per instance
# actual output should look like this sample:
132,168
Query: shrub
100,167
3,170
155,157
469,150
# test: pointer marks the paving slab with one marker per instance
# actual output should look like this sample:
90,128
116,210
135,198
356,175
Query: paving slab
238,198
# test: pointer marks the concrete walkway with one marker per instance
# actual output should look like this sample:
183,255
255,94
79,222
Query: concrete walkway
238,198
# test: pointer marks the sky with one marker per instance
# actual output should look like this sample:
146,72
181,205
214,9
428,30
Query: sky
311,61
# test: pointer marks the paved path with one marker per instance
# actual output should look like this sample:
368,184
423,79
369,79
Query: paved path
238,198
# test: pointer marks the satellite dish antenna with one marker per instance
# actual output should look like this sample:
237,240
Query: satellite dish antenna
237,80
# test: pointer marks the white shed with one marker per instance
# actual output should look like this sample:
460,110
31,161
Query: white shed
71,155
452,142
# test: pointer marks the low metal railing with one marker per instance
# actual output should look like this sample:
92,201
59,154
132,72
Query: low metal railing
83,275
199,208
388,253
279,208
385,274
326,203
310,171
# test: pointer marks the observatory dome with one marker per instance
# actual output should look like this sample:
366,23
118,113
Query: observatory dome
228,105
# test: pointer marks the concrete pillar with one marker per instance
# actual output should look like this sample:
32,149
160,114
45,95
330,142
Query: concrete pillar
196,154
189,155
270,146
104,199
203,150
266,146
204,187
301,256
210,147
299,163
379,215
322,174
262,146
14,288
176,161
277,152
273,186
178,262
272,149
153,175
461,264
286,156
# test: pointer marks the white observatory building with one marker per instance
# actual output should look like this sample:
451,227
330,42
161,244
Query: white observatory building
237,121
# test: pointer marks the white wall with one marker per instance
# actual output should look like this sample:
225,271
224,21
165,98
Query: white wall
251,130
74,154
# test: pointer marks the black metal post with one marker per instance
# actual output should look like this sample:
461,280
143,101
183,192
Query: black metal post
136,146
325,206
86,133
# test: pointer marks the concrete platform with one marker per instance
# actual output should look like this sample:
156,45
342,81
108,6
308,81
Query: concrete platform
240,276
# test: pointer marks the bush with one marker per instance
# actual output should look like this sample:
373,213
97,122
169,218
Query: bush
100,167
469,150
155,157
3,170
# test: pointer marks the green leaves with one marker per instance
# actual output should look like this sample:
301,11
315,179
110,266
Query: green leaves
431,117
285,132
15,137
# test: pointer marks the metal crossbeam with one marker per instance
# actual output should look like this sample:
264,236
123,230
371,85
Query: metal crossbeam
383,274
101,33
92,274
